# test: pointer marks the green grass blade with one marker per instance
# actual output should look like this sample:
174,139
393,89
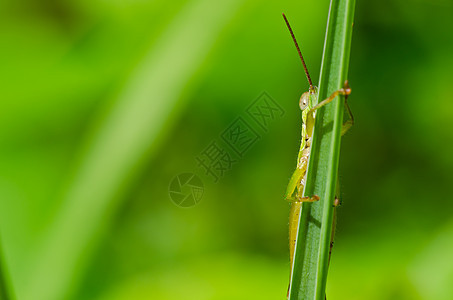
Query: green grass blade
125,136
315,228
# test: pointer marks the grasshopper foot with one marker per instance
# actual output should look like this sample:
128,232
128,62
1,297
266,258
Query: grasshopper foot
309,199
302,199
337,202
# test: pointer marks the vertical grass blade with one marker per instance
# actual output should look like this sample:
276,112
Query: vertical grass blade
311,262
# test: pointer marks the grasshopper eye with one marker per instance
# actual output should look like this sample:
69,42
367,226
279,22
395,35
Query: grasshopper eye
303,103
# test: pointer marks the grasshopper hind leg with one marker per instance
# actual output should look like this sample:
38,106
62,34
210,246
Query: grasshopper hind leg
349,123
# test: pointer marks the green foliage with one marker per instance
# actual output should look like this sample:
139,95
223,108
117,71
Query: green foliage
130,129
64,65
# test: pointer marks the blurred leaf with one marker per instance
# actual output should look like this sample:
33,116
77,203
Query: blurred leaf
213,277
432,270
126,136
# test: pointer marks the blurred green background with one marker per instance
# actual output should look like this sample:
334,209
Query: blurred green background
103,103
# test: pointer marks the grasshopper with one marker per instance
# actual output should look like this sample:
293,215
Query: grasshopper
309,105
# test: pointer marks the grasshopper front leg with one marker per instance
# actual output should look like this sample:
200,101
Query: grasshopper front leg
346,91
297,183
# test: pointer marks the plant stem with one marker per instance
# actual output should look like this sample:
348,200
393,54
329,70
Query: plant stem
311,261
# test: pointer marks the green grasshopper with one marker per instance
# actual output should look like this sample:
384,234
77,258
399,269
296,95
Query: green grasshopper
308,104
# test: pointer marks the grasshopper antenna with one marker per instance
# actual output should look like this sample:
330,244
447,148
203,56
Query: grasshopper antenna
300,53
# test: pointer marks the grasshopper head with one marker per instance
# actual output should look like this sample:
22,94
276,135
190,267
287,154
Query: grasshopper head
308,99
304,100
